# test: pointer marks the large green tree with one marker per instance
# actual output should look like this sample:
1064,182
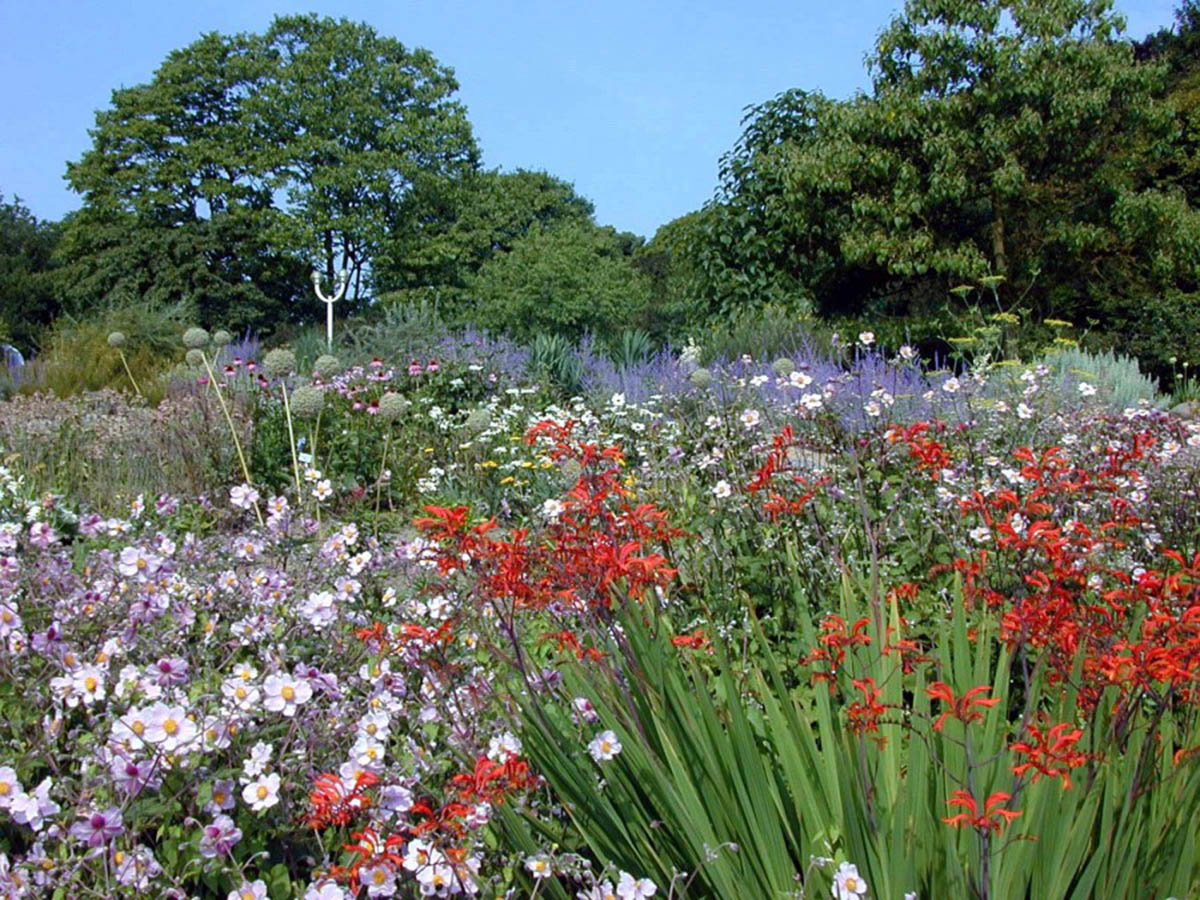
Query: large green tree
1017,139
567,279
458,225
249,158
27,298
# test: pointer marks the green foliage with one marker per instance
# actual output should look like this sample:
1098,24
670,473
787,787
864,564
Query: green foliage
766,332
570,279
1116,377
631,347
738,776
402,331
462,224
224,265
27,297
248,157
77,357
1010,138
677,285
553,357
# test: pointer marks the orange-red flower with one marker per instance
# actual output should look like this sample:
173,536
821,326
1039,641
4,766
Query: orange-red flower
965,708
995,816
1050,752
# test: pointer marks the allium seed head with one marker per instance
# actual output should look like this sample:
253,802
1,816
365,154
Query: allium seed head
478,419
195,338
307,401
280,363
327,365
392,406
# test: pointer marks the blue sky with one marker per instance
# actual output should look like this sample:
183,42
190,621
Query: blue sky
633,102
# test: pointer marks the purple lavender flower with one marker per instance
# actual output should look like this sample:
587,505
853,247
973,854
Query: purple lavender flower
98,828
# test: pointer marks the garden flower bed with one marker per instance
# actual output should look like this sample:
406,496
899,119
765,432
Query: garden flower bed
788,627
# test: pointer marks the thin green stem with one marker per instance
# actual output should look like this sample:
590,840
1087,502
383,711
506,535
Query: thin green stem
132,380
387,440
237,444
287,414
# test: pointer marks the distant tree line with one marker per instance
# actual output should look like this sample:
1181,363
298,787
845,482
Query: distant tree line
1018,154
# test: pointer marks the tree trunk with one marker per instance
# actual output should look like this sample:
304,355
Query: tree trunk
999,257
329,273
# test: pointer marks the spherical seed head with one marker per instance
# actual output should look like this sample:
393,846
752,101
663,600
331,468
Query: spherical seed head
195,338
280,362
222,338
194,358
327,365
571,470
392,406
478,419
116,339
307,401
783,367
701,378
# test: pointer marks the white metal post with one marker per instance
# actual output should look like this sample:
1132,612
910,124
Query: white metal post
339,292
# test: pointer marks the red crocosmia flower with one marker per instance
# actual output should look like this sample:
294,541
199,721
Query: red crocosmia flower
995,815
333,803
492,781
694,641
1050,752
369,849
964,708
835,638
864,715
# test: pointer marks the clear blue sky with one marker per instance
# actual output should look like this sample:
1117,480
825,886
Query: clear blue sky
633,102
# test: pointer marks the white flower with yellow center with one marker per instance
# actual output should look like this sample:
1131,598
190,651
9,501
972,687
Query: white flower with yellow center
847,883
604,746
262,793
284,694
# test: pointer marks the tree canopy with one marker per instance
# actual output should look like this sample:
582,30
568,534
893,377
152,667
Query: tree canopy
27,296
459,225
1010,140
567,279
249,158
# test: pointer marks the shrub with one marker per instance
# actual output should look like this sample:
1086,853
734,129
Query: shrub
553,357
77,355
566,280
1117,379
